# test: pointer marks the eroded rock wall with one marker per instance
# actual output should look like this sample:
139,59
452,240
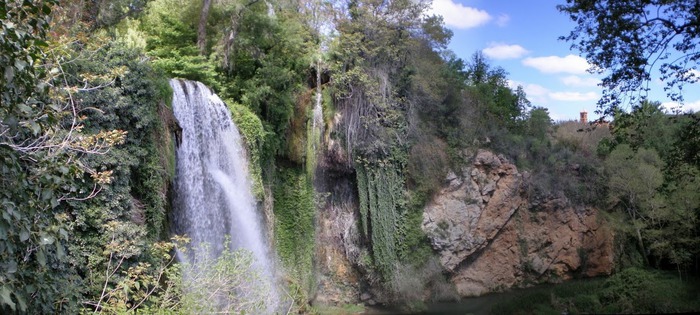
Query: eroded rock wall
337,229
490,236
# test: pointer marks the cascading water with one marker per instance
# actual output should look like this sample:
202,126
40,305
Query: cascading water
213,198
317,119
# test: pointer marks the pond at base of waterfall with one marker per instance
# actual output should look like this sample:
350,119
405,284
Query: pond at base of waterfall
499,302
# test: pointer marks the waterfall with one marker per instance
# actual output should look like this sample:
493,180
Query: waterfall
318,107
212,193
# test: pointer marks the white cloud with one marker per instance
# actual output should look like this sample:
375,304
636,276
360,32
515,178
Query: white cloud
574,96
540,95
502,20
556,116
513,84
503,51
535,90
691,75
554,64
574,80
458,16
536,93
686,107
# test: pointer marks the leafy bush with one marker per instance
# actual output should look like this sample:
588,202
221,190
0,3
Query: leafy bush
229,283
427,164
635,290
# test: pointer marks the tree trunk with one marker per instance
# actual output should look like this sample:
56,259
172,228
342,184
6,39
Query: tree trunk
202,27
229,42
641,245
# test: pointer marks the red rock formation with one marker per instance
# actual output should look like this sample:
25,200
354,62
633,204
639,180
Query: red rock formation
491,237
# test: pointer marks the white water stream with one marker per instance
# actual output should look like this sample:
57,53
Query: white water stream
213,198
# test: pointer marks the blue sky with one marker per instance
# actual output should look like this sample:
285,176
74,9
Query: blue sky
522,37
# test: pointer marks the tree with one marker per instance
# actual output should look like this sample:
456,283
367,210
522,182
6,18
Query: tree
646,125
628,40
44,146
202,26
488,86
538,123
634,180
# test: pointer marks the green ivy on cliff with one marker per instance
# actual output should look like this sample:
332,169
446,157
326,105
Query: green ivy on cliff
381,190
294,225
252,131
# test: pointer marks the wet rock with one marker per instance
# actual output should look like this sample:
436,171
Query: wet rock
365,296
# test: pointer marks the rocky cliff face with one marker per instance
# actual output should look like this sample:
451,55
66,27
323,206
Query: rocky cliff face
491,236
337,235
487,232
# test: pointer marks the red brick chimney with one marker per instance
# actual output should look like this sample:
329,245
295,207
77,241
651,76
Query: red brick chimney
584,117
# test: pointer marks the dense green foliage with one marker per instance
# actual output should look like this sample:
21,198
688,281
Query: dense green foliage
631,291
652,178
252,58
252,130
381,211
171,39
294,225
136,199
70,180
30,184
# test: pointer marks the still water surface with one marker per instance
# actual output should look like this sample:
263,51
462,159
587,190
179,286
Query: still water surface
480,305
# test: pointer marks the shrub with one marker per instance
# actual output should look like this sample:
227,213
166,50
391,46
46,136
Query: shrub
427,164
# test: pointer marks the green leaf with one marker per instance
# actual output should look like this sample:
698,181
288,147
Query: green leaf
35,127
60,252
39,42
23,236
41,257
46,9
9,74
24,108
46,239
22,303
46,194
6,299
3,230
20,64
11,266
